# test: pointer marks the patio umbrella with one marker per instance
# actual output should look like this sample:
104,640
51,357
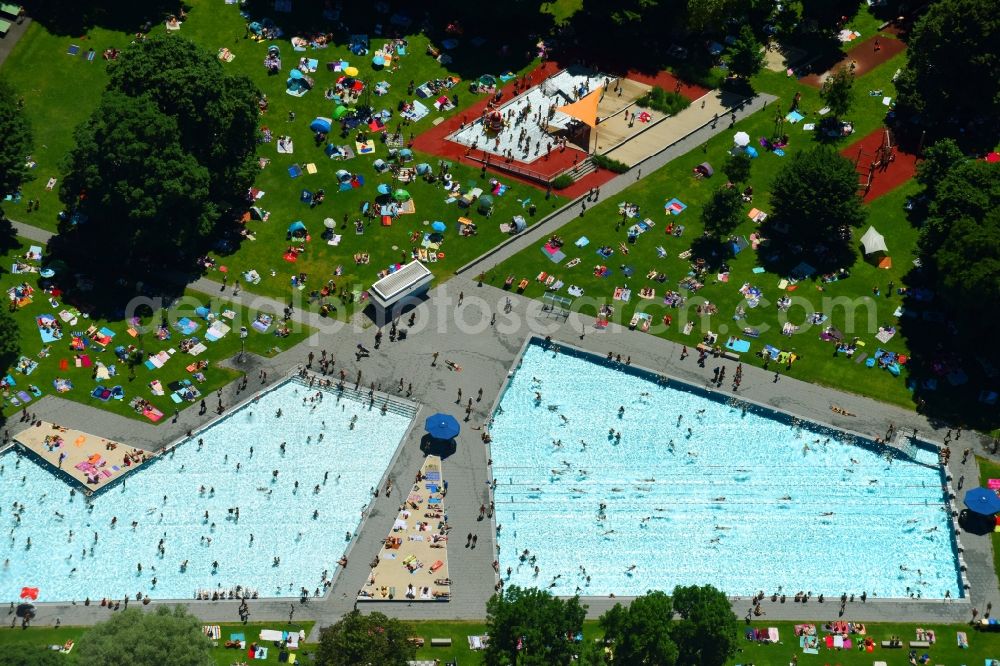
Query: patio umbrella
384,189
982,501
438,226
751,151
401,195
296,74
741,139
329,223
442,426
351,71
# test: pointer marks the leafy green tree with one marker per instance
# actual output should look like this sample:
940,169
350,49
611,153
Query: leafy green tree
642,632
17,140
146,198
20,654
10,339
951,81
737,167
816,193
530,627
838,92
968,261
746,56
365,640
723,212
970,190
142,639
707,632
216,113
826,15
167,153
939,158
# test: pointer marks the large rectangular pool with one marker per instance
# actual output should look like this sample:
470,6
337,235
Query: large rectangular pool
701,489
265,502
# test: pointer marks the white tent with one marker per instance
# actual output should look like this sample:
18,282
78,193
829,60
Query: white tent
873,241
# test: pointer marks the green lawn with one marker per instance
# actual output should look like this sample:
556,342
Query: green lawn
45,636
49,356
990,470
58,98
944,651
562,10
817,362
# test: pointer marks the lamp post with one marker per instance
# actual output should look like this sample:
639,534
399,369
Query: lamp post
243,342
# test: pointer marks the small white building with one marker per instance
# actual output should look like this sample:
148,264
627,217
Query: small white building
409,282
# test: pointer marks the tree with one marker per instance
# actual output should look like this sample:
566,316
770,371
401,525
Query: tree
142,639
532,628
948,98
969,190
737,167
17,140
10,339
746,56
216,113
707,632
641,632
968,261
838,91
359,640
723,212
815,193
145,197
939,158
167,153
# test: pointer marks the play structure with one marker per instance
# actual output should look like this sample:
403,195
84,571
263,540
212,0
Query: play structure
867,164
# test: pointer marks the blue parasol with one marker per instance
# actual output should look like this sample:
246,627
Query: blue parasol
442,426
438,226
982,501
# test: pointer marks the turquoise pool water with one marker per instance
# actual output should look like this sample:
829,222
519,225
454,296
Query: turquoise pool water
744,500
66,562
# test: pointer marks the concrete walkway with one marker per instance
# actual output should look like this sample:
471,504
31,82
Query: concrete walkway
684,144
486,352
7,43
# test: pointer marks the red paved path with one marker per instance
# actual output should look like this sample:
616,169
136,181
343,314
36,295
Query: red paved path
668,82
895,174
864,55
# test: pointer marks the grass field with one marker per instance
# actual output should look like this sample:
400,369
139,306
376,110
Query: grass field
45,636
58,98
989,469
817,362
51,356
945,651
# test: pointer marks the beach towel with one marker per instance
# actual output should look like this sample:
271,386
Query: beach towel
366,148
294,171
794,117
675,206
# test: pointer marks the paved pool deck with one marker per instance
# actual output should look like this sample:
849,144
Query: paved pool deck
486,353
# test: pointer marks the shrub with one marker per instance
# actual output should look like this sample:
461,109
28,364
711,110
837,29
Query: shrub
562,182
610,164
664,101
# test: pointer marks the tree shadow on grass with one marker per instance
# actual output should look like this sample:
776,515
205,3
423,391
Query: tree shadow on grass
491,38
953,358
713,251
72,18
785,250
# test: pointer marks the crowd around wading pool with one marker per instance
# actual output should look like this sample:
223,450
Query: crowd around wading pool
223,494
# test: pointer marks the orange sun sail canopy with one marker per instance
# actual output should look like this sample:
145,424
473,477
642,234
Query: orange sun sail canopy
584,109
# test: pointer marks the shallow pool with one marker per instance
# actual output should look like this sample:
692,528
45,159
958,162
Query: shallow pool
698,490
300,515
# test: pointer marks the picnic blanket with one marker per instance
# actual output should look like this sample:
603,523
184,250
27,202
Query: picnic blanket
416,111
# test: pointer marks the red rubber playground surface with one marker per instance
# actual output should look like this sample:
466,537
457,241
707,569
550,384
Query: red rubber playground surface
435,142
887,178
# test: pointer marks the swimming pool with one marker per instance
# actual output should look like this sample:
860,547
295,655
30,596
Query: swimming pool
169,498
746,500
